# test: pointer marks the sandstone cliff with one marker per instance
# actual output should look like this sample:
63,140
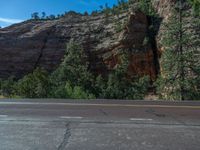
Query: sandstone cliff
31,44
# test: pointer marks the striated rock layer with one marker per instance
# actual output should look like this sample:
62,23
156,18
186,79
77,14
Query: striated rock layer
31,44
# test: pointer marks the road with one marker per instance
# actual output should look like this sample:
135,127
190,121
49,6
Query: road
99,125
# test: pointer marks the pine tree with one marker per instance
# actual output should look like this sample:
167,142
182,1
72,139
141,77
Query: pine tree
43,15
33,85
146,7
196,6
73,70
35,16
180,78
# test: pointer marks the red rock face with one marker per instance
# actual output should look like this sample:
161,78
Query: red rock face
131,39
142,64
31,44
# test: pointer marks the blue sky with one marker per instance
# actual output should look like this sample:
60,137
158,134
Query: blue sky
13,11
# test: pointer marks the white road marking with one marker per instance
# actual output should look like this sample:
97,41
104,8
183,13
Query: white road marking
140,119
70,117
3,116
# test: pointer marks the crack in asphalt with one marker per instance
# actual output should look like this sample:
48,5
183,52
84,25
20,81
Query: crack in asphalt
65,140
153,112
103,112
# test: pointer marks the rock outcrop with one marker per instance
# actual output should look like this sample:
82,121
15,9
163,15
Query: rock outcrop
164,10
37,43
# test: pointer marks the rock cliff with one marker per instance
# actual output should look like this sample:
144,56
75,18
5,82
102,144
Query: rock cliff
38,43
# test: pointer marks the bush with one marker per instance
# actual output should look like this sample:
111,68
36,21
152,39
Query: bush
119,86
77,92
34,85
119,26
146,7
7,87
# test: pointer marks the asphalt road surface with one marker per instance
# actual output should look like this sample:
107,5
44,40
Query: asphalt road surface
99,125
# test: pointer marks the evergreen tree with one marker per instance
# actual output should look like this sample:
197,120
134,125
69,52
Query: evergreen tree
35,16
180,62
118,85
196,6
106,11
146,7
101,7
7,87
86,13
52,17
73,70
43,15
33,85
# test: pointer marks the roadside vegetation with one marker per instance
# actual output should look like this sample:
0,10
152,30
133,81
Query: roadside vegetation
72,79
180,75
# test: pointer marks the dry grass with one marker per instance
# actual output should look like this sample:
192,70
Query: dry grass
2,96
151,96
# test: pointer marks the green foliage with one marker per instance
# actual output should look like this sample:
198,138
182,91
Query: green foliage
196,6
180,61
34,85
146,7
43,16
118,26
153,20
35,16
77,92
119,86
122,5
52,17
73,70
85,13
7,87
106,10
94,13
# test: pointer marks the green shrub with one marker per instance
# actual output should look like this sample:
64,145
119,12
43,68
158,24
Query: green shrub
146,7
118,26
7,87
119,86
77,92
34,85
